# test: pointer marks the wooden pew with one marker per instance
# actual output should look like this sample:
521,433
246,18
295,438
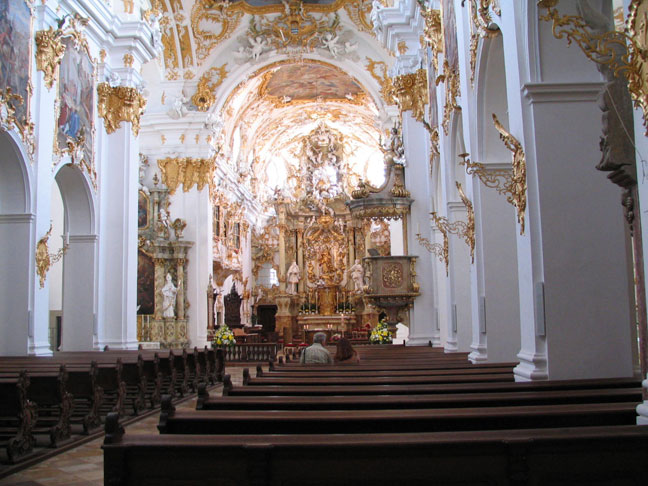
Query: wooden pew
367,402
18,417
413,389
585,456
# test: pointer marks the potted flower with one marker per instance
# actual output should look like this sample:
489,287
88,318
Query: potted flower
224,337
381,333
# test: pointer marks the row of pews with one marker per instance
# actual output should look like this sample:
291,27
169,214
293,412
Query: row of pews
45,401
411,415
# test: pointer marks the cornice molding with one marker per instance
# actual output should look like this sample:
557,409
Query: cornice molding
562,92
17,218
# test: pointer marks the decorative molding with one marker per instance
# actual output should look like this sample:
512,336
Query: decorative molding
624,53
45,259
50,49
118,104
433,32
441,251
359,11
205,97
383,79
452,91
411,93
482,26
186,171
562,92
9,101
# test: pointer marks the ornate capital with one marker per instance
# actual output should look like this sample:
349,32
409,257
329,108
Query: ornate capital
118,104
411,93
186,171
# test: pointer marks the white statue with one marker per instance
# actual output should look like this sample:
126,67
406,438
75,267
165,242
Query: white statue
357,275
179,109
163,223
169,292
330,42
293,278
257,46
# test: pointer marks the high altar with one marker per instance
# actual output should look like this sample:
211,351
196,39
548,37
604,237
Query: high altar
315,244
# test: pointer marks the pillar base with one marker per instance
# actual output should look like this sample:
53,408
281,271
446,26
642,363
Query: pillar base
479,354
533,366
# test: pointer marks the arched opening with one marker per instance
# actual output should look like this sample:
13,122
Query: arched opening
16,248
79,261
497,280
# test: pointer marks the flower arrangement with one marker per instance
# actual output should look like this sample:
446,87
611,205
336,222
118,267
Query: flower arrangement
224,336
381,333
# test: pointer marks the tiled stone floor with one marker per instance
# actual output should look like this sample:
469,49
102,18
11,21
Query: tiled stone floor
83,465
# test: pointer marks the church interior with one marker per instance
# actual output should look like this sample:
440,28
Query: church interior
211,183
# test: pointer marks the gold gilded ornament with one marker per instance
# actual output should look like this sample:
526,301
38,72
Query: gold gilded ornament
128,60
451,78
411,93
385,82
482,26
118,104
359,11
49,52
469,233
441,251
433,31
392,275
45,259
204,96
402,47
186,171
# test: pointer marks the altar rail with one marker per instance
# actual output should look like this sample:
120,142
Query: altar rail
252,351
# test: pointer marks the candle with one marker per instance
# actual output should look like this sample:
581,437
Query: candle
418,228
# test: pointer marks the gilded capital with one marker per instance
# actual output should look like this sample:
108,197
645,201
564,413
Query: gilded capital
118,104
186,171
411,93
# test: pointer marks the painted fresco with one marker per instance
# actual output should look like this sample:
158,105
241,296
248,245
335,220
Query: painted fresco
15,40
145,283
142,211
310,81
450,33
76,95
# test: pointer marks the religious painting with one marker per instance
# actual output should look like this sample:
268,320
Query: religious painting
145,284
142,210
309,82
76,98
450,33
15,55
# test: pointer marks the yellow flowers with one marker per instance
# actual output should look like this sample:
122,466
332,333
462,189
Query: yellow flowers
381,334
224,336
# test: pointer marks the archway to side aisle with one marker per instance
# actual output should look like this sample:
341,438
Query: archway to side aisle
79,261
16,247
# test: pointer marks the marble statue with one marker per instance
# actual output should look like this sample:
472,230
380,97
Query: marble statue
258,44
169,292
179,109
330,42
293,278
357,275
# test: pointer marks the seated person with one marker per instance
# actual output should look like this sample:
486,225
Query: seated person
345,352
317,353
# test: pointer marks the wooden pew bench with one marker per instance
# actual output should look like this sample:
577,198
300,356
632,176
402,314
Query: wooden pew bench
17,417
392,420
584,456
360,402
413,389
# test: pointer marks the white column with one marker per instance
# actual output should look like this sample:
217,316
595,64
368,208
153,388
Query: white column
117,325
78,293
195,208
423,327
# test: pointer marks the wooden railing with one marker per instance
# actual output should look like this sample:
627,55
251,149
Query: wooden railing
252,351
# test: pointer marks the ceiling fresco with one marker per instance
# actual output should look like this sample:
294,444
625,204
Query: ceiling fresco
302,82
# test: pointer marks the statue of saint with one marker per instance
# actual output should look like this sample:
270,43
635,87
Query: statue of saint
357,275
169,292
293,278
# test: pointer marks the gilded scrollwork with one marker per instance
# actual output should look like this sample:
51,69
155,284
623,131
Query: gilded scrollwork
205,15
518,174
441,251
459,228
624,53
186,171
378,71
118,104
359,12
469,233
9,102
204,96
482,26
433,31
45,259
451,78
411,93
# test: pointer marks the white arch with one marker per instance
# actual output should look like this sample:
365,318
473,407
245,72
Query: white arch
16,246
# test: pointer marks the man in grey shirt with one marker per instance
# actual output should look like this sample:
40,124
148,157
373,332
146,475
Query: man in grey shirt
317,353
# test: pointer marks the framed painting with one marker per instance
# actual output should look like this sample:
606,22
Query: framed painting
76,101
15,57
143,211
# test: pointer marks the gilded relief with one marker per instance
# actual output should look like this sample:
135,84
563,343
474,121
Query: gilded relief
392,275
